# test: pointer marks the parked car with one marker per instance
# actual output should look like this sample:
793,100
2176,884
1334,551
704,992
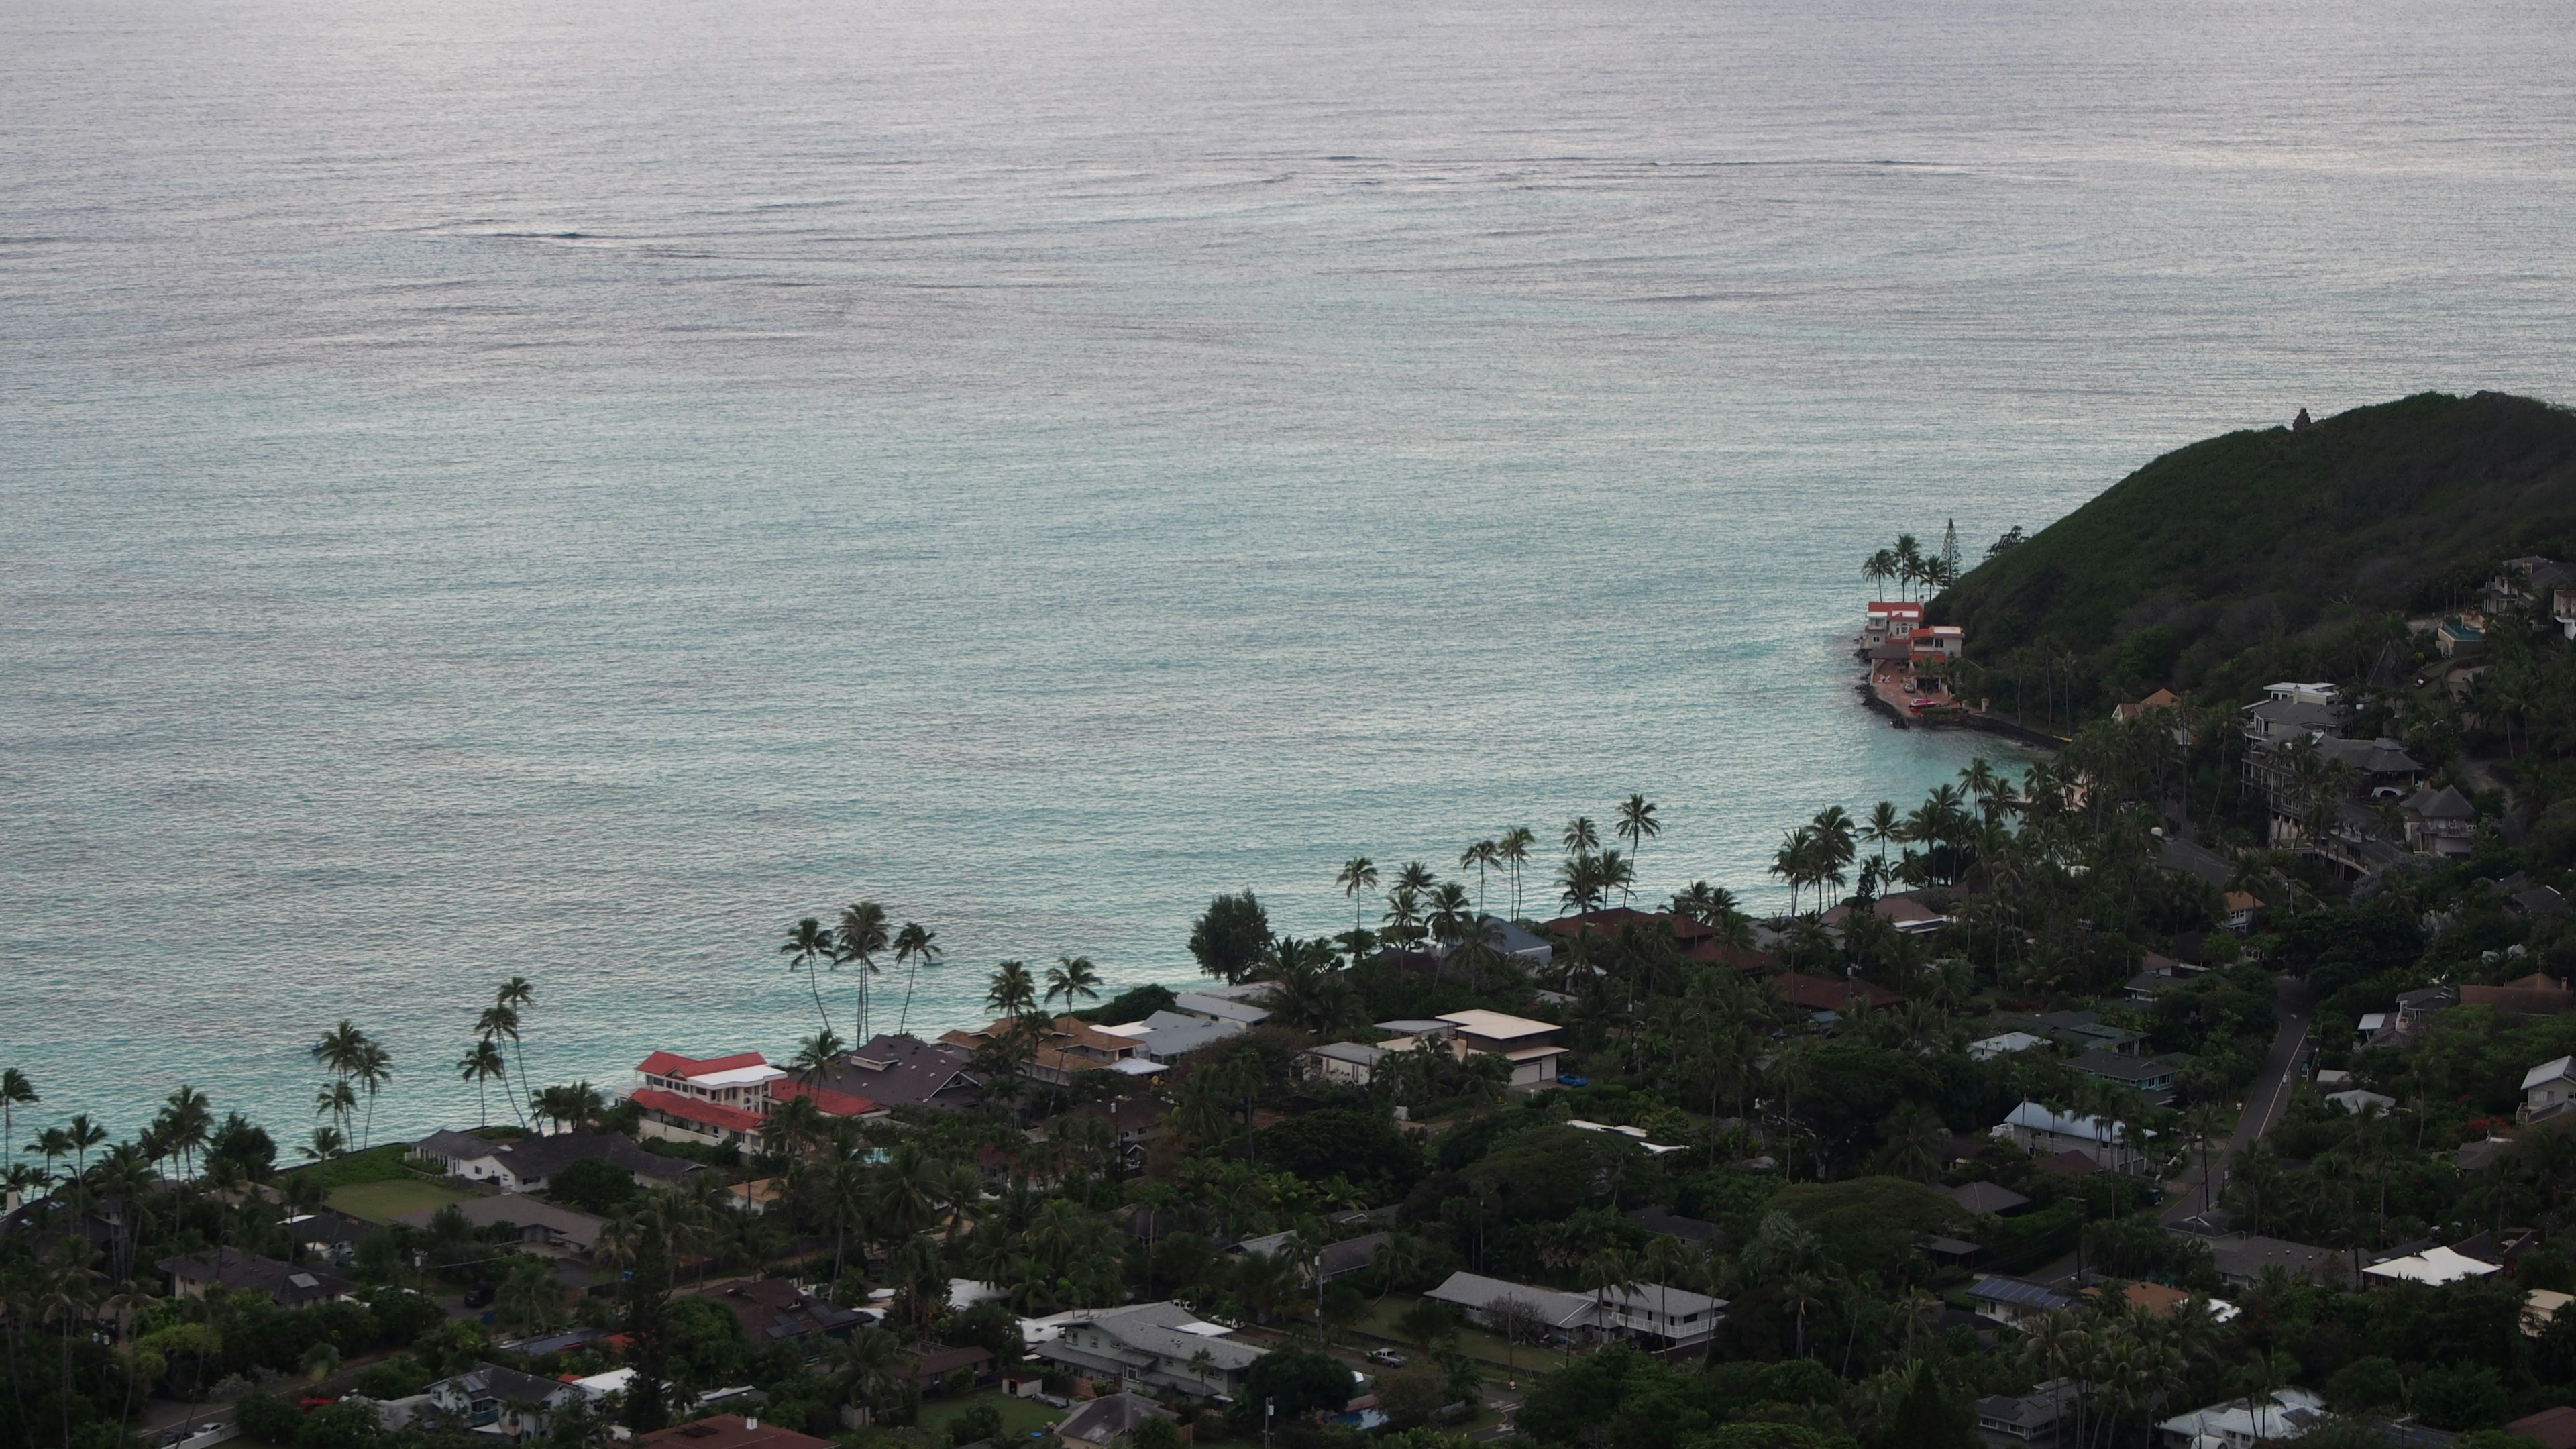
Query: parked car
478,1296
1387,1357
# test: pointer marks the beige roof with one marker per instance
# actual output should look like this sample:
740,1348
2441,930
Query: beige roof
1495,1026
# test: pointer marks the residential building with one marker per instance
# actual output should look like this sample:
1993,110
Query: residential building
1530,1046
1152,1345
2553,1428
2356,1099
501,1402
1988,1199
2240,910
288,1285
729,1431
779,1310
1660,1316
1168,1036
1064,1048
2146,986
2547,1089
2562,607
1909,916
2003,1044
1105,1420
2292,711
2440,822
2241,1259
1673,1225
2458,639
523,1164
1133,1123
1485,1301
2108,1144
2028,1421
712,1101
1335,1260
2435,1266
2152,1080
2010,1300
1663,1316
1524,949
905,1071
2161,699
1895,619
1348,1062
1818,993
933,1363
2080,1030
539,1223
1241,1004
2244,1423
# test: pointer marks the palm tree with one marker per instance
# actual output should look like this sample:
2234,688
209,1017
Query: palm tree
1879,567
1608,1273
1580,837
1403,917
1637,823
1512,848
375,1068
184,1125
1073,978
338,1100
858,937
571,1107
1415,877
815,1055
807,942
1358,876
343,1050
1480,857
1011,990
517,995
480,1064
863,1370
918,947
502,1020
15,1092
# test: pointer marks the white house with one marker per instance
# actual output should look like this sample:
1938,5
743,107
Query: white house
1348,1062
1154,1345
2035,1129
2243,1423
2434,1265
1989,1048
1530,1046
2548,1088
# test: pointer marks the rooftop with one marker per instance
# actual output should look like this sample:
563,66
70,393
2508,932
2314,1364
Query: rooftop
1495,1026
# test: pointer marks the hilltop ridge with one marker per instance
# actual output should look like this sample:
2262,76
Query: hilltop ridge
2268,552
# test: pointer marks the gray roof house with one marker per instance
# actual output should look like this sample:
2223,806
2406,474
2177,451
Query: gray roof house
2027,1421
2010,1300
487,1399
905,1071
537,1222
2149,1078
523,1164
1337,1260
1477,1294
1167,1036
2242,1257
1157,1345
1104,1420
288,1285
1987,1198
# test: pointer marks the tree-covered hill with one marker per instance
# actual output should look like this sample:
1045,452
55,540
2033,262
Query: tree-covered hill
2262,554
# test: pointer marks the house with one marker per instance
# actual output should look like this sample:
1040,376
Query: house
1487,1301
1133,1122
1152,1345
2562,607
2158,1301
2536,902
2523,582
1530,1046
1909,916
329,1236
2440,822
1988,1199
2081,1030
729,1431
2550,1428
1064,1048
2244,1423
713,1101
2010,1300
2239,911
1672,1225
2003,1044
1107,1419
1335,1260
1168,1036
2540,1308
1347,1062
2161,699
1911,675
2355,1100
2107,1144
1507,940
2146,986
933,1363
2241,1259
2547,1089
1240,1004
2028,1421
776,1310
2290,712
523,1164
905,1071
2458,638
288,1285
2152,1080
1817,993
2433,1265
1895,619
539,1222
502,1402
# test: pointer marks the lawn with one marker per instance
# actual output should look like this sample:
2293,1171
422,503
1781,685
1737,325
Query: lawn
1527,1360
1020,1417
382,1202
376,1164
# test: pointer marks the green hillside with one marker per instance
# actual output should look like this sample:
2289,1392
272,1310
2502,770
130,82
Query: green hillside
2259,555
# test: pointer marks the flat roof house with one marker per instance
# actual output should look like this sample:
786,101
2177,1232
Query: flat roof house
2244,1423
1348,1062
288,1285
1107,1419
1530,1046
523,1164
2010,1300
2152,1080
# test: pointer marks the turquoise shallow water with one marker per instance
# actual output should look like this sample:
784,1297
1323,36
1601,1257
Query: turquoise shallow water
490,491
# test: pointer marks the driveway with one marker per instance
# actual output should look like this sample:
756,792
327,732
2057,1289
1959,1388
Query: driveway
2265,1098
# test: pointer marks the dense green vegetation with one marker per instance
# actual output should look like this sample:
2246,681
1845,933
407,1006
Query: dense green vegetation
2266,555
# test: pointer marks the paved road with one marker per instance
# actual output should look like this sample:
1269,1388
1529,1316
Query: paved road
2265,1099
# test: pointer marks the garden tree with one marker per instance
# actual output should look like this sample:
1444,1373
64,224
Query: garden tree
1229,937
594,1185
1427,1322
858,937
1159,1431
1293,1383
639,1244
1928,1418
915,946
808,943
1515,1320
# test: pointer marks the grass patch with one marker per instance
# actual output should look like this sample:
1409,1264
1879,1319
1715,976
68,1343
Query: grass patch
382,1202
1529,1360
376,1164
1020,1417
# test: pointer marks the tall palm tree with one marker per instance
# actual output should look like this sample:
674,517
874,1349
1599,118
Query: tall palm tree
1480,857
184,1125
1512,848
1357,877
918,947
15,1091
1073,978
1415,877
339,1100
857,938
518,996
480,1064
342,1050
1011,990
815,1055
808,942
375,1068
1637,823
496,1021
1580,836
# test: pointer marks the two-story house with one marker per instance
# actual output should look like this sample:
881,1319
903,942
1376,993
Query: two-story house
1530,1046
1153,1346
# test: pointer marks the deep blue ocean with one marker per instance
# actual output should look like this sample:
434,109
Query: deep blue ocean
561,490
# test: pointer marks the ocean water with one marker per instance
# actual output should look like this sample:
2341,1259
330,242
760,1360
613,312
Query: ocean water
561,490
